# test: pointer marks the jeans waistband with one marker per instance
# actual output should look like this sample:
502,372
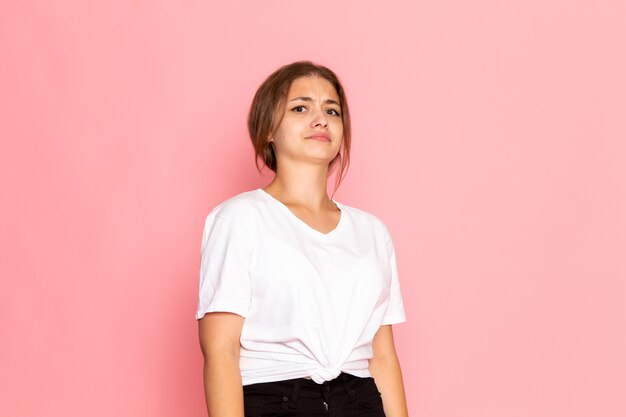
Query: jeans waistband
345,385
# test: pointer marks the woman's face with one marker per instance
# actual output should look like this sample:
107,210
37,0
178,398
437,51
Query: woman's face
311,129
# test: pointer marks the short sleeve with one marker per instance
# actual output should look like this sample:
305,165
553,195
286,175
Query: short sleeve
395,310
224,283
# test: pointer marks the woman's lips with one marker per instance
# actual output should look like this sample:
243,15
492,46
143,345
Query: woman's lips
320,137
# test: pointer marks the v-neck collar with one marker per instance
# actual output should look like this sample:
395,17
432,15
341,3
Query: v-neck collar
301,222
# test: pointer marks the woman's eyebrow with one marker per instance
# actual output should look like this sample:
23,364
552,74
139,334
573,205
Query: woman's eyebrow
329,101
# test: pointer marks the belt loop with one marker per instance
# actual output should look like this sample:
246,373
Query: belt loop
350,391
293,399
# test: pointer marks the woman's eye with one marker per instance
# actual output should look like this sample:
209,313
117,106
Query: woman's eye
299,109
333,112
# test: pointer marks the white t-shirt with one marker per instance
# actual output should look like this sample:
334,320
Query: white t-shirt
311,302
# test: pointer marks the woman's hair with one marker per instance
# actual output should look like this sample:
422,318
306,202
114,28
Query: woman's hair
269,102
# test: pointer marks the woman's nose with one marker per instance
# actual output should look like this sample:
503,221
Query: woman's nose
319,119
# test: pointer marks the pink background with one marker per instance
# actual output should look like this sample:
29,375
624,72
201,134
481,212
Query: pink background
488,135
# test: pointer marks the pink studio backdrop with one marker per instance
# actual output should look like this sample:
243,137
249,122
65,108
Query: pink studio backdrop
489,136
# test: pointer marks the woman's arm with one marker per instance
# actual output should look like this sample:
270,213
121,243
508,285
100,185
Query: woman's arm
220,335
385,368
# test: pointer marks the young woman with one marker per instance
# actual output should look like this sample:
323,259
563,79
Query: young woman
298,292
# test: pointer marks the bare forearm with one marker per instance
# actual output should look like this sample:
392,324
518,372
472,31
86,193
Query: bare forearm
222,386
388,376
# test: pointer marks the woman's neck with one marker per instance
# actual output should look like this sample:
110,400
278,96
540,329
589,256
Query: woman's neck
302,187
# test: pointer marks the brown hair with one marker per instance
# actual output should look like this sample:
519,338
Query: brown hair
269,99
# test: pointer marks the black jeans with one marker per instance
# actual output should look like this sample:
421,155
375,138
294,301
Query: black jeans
344,396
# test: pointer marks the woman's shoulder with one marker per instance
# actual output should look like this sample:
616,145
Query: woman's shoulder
240,206
363,218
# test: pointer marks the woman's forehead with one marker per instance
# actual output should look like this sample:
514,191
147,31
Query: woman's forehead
312,87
